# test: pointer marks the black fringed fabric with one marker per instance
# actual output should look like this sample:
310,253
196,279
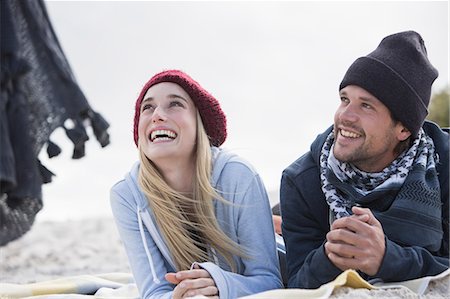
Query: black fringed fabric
53,150
38,94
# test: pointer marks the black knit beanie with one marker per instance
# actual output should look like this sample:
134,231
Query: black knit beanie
400,75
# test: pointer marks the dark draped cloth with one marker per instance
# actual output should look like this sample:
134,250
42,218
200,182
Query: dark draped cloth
38,94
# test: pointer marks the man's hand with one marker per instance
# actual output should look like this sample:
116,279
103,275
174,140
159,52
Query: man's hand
277,224
192,283
356,242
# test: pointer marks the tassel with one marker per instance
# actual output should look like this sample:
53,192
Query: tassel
78,136
53,150
99,125
46,174
78,151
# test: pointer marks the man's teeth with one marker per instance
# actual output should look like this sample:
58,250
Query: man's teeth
164,135
349,134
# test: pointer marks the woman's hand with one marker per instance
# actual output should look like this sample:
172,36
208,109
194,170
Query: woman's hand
190,283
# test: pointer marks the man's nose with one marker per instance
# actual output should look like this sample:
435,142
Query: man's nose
349,113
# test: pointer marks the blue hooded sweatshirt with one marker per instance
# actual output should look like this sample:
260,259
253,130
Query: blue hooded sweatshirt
247,221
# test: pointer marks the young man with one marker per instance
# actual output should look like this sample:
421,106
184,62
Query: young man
372,194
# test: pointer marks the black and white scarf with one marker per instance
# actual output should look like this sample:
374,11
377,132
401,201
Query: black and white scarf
362,183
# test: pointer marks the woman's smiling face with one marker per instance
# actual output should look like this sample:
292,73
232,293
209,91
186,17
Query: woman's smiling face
167,123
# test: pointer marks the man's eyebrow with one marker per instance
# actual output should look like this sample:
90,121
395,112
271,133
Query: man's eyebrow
364,98
368,99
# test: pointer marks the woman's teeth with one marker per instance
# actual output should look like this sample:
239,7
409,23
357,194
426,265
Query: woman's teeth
162,135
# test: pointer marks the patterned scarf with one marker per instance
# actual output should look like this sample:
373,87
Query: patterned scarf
355,184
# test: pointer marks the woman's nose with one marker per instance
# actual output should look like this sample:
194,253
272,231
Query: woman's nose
159,114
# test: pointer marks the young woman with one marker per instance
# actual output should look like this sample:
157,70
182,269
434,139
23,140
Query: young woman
194,219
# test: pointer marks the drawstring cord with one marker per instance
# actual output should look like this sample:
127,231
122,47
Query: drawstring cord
214,254
144,240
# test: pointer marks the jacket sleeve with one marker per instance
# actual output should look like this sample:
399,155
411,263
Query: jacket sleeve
304,226
255,232
125,211
409,263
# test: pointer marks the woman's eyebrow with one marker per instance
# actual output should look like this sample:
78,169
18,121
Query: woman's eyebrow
171,96
176,96
147,100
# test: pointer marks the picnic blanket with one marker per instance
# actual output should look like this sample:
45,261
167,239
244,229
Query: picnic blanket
349,278
121,286
102,286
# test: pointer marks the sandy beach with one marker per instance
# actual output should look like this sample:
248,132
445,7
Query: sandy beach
55,249
58,249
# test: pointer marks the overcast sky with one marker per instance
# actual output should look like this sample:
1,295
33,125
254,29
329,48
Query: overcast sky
274,66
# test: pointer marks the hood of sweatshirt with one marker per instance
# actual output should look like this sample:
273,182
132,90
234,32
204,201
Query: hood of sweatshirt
145,215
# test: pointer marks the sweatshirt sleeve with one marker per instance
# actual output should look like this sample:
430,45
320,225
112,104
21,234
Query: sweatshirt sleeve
304,231
255,232
125,211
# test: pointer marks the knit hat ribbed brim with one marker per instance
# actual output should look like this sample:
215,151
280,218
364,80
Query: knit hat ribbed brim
213,118
400,75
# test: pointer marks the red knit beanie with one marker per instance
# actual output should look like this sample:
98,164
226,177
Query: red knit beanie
212,116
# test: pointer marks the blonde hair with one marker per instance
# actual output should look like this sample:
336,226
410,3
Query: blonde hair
179,216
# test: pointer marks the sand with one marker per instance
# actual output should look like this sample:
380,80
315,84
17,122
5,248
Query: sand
57,249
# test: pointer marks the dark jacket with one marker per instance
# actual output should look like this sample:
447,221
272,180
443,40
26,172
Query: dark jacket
305,215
